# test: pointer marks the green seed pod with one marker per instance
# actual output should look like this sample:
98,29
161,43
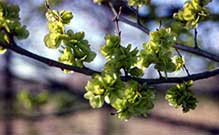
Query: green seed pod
66,16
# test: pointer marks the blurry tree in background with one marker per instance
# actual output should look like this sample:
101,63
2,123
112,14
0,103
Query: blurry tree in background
123,53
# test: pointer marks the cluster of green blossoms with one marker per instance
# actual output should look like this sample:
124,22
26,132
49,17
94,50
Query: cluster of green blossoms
10,24
181,95
128,98
119,57
158,51
76,49
192,13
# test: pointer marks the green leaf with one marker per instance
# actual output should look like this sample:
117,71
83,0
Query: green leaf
96,101
90,57
53,40
136,72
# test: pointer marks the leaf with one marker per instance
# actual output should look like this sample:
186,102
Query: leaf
53,40
66,16
96,101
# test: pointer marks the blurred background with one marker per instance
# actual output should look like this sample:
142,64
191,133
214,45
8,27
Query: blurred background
36,99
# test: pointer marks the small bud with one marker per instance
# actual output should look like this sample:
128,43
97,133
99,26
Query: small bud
66,16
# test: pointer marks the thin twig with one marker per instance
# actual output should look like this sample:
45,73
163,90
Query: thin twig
134,24
160,75
47,4
116,18
112,8
159,72
196,39
137,16
184,66
160,24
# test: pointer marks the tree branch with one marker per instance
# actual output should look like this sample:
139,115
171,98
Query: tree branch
14,47
88,71
47,61
134,24
196,51
194,77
